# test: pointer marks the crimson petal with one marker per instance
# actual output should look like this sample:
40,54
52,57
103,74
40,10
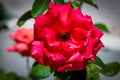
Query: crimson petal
37,51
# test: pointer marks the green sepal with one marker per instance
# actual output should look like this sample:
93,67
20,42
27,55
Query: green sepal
98,62
93,72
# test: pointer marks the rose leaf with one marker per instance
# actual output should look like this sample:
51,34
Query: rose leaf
102,27
90,2
23,18
93,72
39,71
39,7
98,62
111,69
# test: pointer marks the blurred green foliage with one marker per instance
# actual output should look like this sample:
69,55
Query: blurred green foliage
10,76
4,16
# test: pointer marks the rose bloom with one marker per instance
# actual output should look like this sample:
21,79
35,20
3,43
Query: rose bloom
64,38
23,38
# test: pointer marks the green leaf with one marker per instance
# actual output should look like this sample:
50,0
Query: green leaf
22,78
3,26
75,4
96,77
90,2
23,18
102,27
39,71
111,69
11,76
93,72
59,1
98,62
2,74
39,7
4,15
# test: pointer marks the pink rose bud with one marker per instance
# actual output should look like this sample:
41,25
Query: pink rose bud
23,38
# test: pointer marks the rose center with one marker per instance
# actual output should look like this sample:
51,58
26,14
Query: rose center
64,36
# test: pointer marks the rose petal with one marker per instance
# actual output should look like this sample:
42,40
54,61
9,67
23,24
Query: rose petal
50,35
90,47
60,10
80,65
54,56
22,35
55,60
64,67
21,47
10,49
96,49
37,51
12,35
77,57
66,49
61,13
53,47
96,33
80,20
79,34
40,22
69,48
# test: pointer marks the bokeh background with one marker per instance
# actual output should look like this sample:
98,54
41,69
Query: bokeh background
108,13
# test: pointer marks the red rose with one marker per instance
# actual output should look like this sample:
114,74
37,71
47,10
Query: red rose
23,38
65,39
